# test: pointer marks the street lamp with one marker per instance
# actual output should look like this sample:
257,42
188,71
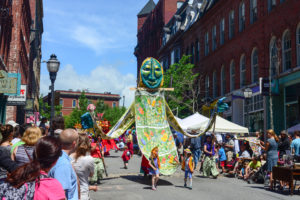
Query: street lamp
247,95
53,67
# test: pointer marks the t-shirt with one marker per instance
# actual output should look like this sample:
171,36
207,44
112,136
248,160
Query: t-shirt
296,145
222,154
84,167
48,188
255,166
230,142
245,154
96,153
187,168
64,173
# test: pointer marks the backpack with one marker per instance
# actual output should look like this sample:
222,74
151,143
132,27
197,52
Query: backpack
8,192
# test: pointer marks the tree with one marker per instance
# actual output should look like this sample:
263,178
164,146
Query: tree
45,109
74,117
185,99
110,114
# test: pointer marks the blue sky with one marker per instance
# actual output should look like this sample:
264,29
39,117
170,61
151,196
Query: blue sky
94,40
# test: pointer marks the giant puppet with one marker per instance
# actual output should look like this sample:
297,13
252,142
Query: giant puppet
153,118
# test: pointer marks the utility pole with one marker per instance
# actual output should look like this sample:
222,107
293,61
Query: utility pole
123,101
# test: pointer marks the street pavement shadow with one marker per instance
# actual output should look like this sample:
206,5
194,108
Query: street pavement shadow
200,176
285,192
145,181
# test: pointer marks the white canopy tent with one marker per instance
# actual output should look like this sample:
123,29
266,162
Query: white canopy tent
198,122
192,120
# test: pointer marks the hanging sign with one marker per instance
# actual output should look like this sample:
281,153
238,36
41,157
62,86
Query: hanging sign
9,83
19,100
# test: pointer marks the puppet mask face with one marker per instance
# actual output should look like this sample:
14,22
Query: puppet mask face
151,73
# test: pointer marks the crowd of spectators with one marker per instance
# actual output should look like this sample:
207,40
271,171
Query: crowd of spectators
35,165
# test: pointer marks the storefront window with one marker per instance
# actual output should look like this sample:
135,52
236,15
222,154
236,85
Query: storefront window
292,99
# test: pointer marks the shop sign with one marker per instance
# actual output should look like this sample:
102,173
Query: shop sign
19,100
9,83
264,86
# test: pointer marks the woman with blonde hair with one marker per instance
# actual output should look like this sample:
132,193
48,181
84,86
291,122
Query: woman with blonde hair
24,153
271,148
154,164
83,164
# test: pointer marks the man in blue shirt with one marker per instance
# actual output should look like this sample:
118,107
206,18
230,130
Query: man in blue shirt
196,149
295,146
63,170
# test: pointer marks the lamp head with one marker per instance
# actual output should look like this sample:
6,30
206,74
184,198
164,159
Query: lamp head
53,64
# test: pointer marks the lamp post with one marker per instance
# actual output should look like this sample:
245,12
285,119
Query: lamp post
247,95
53,67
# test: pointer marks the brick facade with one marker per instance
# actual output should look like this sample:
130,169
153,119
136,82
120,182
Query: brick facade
18,61
66,98
150,30
256,28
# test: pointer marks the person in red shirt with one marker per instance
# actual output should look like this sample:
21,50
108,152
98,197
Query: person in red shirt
97,153
126,157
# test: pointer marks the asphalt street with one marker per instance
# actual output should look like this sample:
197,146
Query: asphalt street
127,184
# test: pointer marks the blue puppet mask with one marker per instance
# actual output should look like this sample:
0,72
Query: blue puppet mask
151,73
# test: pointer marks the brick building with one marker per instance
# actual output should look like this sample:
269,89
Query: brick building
151,21
5,38
233,44
20,51
68,99
37,30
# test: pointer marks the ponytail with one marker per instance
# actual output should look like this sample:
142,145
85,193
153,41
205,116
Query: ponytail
26,173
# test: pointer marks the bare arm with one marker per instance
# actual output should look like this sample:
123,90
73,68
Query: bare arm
154,168
13,155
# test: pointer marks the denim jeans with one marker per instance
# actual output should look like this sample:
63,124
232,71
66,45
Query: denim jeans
197,155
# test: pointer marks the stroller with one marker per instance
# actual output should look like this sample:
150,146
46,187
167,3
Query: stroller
260,176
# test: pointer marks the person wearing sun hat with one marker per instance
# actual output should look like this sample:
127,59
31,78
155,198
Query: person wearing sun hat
187,166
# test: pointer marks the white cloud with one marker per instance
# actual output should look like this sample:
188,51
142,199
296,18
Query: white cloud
101,79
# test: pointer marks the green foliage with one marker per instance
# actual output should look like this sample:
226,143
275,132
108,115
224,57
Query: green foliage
186,84
45,109
111,114
74,117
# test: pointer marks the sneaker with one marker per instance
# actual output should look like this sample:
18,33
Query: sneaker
153,188
185,185
190,188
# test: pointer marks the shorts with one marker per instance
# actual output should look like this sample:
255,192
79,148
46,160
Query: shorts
188,174
222,163
126,161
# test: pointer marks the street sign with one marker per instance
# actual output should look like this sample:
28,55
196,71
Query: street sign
19,100
9,83
264,86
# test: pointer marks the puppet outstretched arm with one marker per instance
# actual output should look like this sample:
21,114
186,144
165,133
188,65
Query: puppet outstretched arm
121,126
173,123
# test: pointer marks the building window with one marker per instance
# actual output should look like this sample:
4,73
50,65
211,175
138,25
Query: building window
177,55
114,104
242,71
206,48
214,38
273,57
223,81
222,31
242,18
165,64
231,24
187,51
215,85
271,4
172,57
207,86
192,53
73,103
61,102
197,51
232,76
253,11
287,51
298,46
254,66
